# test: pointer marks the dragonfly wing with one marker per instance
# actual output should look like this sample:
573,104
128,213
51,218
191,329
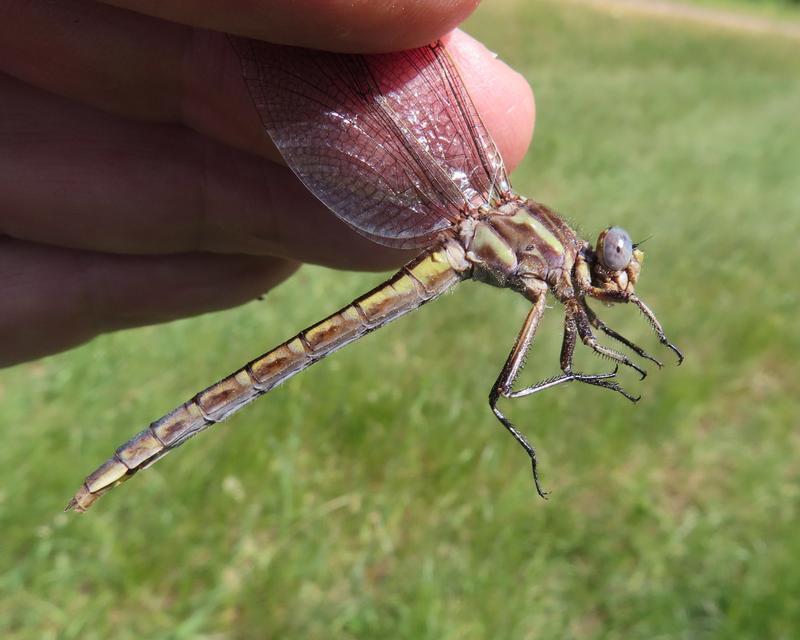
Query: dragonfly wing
391,143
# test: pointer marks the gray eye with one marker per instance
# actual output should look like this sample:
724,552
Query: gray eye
615,248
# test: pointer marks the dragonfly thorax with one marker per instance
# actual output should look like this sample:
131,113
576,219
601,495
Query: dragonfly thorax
517,242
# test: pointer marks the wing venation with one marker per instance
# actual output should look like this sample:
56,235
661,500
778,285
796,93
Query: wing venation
391,143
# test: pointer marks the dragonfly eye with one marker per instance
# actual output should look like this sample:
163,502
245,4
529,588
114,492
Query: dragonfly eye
615,248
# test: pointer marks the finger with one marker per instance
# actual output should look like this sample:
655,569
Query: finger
157,71
56,298
71,176
335,25
509,117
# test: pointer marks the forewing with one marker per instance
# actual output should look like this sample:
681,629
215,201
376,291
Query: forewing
391,143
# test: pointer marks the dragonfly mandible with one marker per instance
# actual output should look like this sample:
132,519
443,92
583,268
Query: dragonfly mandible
395,147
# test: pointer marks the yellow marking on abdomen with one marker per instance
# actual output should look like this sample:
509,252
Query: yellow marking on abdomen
273,367
343,326
233,391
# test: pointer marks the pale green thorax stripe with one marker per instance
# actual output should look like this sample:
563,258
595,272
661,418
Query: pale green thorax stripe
524,218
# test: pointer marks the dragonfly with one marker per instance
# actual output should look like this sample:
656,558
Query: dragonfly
394,146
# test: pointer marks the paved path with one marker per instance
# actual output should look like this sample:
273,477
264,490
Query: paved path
667,9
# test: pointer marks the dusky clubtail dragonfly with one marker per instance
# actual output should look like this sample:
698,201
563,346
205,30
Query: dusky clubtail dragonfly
394,146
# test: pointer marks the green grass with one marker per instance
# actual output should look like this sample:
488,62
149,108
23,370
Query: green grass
376,497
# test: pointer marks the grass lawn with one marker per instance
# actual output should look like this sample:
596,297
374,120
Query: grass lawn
375,496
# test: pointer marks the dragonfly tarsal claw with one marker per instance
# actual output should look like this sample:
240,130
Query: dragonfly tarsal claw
632,398
651,318
542,493
643,354
642,372
628,363
615,387
675,350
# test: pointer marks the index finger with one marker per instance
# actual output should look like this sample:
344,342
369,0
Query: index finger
335,25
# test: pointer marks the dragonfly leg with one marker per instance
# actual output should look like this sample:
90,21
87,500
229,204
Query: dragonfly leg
503,385
651,318
577,313
597,323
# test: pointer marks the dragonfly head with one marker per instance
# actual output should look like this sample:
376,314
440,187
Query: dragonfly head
608,272
614,264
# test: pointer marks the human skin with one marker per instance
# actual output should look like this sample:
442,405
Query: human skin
136,183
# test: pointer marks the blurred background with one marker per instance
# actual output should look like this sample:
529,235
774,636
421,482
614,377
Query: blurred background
376,496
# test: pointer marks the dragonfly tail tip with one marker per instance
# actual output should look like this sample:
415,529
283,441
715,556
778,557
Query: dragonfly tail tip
81,501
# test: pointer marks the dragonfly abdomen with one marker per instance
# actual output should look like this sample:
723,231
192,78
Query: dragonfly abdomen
420,281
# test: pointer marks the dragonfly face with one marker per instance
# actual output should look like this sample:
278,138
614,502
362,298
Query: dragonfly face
610,270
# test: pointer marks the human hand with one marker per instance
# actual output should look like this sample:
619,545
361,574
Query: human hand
136,183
